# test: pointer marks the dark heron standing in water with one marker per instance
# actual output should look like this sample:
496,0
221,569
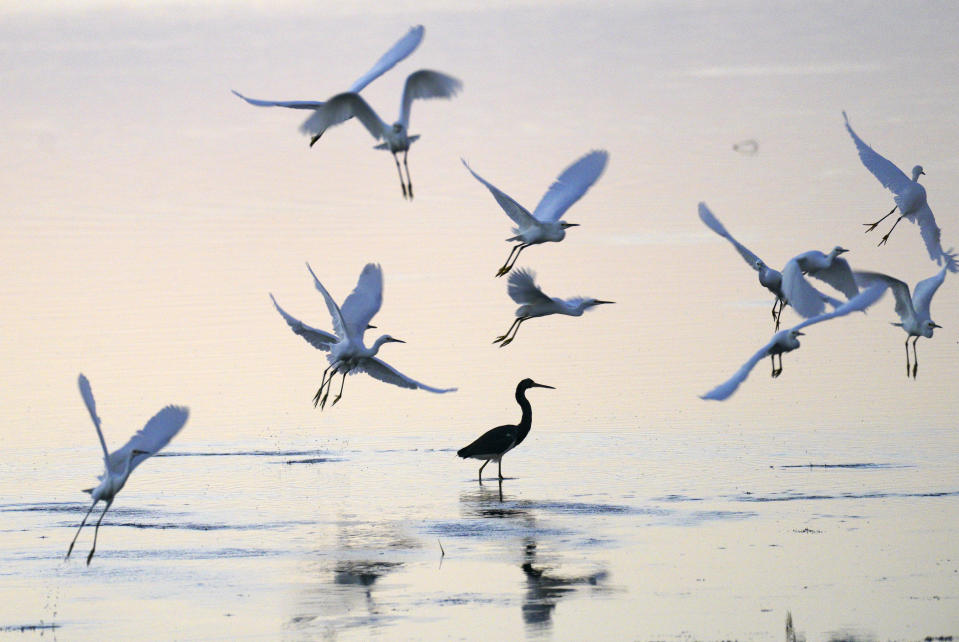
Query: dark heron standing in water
495,443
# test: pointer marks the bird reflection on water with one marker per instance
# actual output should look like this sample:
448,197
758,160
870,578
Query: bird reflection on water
544,586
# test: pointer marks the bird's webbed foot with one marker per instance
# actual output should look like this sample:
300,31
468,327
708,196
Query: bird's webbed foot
775,373
871,226
883,241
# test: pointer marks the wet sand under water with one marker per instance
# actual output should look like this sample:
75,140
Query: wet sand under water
591,535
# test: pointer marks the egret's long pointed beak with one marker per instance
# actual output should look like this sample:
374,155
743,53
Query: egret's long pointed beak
598,302
541,385
396,341
565,225
936,325
800,334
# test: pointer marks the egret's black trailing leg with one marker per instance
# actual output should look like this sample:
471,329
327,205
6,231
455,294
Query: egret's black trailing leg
886,237
915,356
409,181
340,393
509,265
97,530
872,226
400,173
70,550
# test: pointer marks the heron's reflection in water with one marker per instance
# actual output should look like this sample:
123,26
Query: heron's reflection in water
545,586
349,598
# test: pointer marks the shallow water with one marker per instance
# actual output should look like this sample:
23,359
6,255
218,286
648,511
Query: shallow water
148,213
627,534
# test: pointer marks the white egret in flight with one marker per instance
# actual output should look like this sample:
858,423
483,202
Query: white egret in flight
495,443
533,302
787,341
424,83
829,268
544,223
913,310
403,47
910,198
768,277
118,465
348,354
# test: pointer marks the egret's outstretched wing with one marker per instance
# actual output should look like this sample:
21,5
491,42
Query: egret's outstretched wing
522,287
861,301
806,300
728,387
293,104
381,370
426,83
922,295
403,47
930,235
519,214
87,395
316,338
364,301
707,217
341,108
339,325
156,434
891,177
858,303
900,290
838,275
571,185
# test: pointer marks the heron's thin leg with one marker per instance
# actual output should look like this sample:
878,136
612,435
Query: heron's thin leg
772,359
915,357
481,470
409,181
506,334
519,322
886,237
97,530
775,305
340,393
499,465
316,398
329,384
516,257
70,550
872,226
400,172
506,266
907,357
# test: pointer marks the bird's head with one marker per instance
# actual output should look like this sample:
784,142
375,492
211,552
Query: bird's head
796,333
917,172
564,225
529,383
928,327
836,251
389,339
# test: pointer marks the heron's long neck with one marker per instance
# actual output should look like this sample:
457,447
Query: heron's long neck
527,421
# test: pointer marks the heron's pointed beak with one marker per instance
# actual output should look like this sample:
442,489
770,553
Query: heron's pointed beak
541,385
370,326
936,325
800,334
598,302
841,250
565,225
397,341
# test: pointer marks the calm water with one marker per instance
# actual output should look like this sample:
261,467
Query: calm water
635,535
148,212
